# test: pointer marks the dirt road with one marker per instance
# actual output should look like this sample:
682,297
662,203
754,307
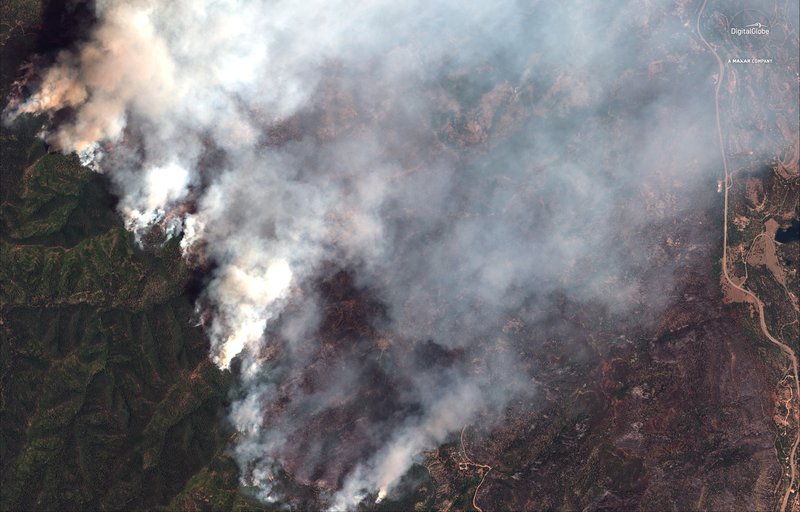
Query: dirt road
792,463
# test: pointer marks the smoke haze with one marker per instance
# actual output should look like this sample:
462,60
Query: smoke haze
440,172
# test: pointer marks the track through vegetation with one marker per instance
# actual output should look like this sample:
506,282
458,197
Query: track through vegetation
752,297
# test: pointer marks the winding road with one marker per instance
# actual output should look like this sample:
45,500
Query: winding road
792,463
468,462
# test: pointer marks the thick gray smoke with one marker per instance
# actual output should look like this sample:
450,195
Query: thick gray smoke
456,165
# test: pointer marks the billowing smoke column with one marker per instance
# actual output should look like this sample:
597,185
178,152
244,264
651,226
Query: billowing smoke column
456,165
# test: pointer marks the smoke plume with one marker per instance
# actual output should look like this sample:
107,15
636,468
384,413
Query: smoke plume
384,190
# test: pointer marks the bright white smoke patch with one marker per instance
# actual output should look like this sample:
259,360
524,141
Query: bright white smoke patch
161,187
255,288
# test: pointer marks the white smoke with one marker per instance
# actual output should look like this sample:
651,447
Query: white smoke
448,414
454,229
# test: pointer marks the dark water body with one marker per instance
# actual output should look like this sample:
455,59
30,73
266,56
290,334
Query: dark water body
790,234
